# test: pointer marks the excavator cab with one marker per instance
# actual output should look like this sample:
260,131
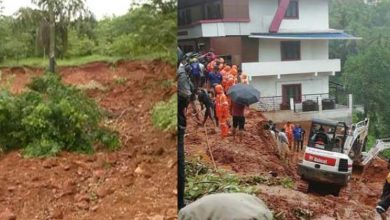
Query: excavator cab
327,135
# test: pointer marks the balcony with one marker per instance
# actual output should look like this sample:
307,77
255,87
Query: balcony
214,28
278,68
330,107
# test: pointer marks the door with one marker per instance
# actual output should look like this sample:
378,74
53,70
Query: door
291,91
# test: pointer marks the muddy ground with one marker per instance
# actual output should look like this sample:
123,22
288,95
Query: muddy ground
136,182
256,156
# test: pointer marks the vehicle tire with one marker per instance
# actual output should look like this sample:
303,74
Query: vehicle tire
342,191
336,191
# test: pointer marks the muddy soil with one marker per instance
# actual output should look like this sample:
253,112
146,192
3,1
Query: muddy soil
256,155
136,182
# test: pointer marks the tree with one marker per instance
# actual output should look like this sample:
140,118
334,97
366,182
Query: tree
32,22
61,13
367,76
1,7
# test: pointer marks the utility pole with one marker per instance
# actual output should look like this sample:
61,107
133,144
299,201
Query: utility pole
52,59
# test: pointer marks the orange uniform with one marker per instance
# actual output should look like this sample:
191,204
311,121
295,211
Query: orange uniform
221,66
234,73
210,66
289,128
222,110
230,82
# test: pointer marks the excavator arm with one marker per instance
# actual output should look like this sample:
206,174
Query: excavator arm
380,145
356,139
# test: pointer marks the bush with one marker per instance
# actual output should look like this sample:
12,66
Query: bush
51,117
79,45
164,114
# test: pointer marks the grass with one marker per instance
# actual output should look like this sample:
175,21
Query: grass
43,63
164,115
77,61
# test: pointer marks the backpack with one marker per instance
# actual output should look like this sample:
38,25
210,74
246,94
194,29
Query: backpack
195,69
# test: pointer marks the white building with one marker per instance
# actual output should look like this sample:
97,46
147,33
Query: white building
283,45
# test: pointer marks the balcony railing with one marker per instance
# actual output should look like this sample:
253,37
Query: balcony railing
308,102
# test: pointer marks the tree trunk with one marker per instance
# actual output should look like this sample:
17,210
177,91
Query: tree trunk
52,61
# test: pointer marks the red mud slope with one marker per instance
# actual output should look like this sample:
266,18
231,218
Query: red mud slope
136,182
256,156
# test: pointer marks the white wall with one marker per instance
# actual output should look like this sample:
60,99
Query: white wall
261,13
269,50
193,32
272,86
313,15
314,50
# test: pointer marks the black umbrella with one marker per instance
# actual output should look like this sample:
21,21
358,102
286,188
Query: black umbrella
244,94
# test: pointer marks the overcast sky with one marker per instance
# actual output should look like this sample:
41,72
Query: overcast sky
99,7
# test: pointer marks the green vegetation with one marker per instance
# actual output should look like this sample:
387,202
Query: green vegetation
201,180
147,31
365,62
51,117
164,114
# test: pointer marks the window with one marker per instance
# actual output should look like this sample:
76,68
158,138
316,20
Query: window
290,50
213,11
181,17
188,16
185,17
291,91
292,10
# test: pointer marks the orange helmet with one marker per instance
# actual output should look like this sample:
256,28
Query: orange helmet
233,71
230,80
218,89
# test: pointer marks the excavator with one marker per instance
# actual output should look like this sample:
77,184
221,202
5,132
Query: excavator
333,150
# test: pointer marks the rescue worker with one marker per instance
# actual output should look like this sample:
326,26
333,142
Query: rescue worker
206,101
226,70
384,202
185,88
238,112
230,82
215,77
244,78
196,73
283,143
234,74
298,137
222,110
289,128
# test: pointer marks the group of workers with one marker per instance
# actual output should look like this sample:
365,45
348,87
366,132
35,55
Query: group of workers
207,80
290,134
212,78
